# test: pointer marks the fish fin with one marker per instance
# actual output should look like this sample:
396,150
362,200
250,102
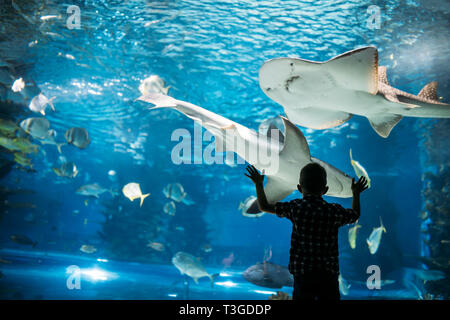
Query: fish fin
58,146
159,100
212,277
382,75
384,123
50,102
351,157
381,224
195,280
295,143
143,197
317,118
276,190
429,91
42,112
356,69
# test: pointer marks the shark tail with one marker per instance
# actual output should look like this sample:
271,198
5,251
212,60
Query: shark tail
159,100
143,197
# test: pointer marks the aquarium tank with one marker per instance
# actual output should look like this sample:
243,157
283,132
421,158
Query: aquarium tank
119,178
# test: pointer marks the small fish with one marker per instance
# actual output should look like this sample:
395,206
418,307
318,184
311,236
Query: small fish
39,103
153,84
352,232
359,169
86,248
36,127
67,169
91,190
206,248
156,246
228,260
175,192
133,191
22,159
243,207
269,275
86,202
191,266
344,287
375,237
428,275
24,240
18,85
8,128
79,137
50,16
170,208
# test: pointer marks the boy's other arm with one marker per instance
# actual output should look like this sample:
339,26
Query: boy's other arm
258,180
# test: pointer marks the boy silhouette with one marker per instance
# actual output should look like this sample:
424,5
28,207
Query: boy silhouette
314,256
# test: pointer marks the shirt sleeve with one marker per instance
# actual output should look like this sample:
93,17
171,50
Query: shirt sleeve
284,209
345,216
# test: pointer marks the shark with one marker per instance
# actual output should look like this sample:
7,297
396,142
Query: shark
321,95
231,136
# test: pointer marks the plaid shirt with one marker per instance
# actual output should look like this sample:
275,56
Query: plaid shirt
314,241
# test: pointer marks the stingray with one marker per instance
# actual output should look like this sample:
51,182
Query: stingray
292,156
321,95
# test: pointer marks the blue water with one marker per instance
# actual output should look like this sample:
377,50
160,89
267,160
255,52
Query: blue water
209,53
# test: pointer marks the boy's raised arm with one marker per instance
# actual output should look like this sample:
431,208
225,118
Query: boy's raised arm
357,188
258,180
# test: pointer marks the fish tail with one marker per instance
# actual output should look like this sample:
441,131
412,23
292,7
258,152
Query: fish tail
212,277
381,223
143,197
58,146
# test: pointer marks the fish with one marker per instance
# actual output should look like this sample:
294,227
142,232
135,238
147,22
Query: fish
133,191
206,248
191,266
18,85
86,248
228,260
427,275
344,287
38,128
291,157
18,144
67,169
24,240
359,169
244,206
50,16
375,237
269,275
156,246
22,159
153,84
40,102
174,191
352,232
91,190
170,208
322,95
79,137
8,128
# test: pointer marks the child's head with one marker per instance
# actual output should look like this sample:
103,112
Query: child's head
313,179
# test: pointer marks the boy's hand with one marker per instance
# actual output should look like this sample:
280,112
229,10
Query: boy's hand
254,175
359,186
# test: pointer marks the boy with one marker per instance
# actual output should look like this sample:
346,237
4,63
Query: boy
314,252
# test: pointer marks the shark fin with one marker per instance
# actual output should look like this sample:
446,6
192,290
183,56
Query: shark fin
383,123
382,75
317,118
356,69
337,181
295,145
429,91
